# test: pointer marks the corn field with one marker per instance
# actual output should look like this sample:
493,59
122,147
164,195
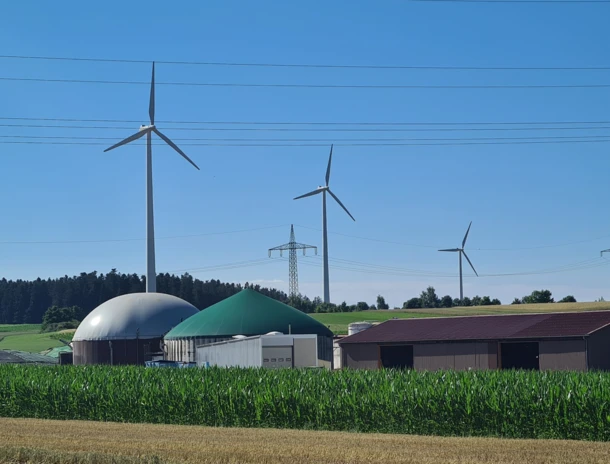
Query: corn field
513,404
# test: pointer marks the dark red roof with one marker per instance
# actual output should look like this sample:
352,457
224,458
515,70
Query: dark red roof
504,327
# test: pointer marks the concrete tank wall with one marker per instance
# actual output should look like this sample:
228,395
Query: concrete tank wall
115,352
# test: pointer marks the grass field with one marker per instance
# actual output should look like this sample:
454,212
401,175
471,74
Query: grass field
27,337
338,322
59,442
13,328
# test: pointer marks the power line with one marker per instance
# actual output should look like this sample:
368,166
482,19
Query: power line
365,268
285,145
337,66
284,129
373,269
172,237
227,266
68,137
538,247
307,123
313,86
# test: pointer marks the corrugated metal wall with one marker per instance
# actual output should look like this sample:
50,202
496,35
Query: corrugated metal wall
428,356
361,356
245,353
456,356
562,355
184,349
304,352
598,349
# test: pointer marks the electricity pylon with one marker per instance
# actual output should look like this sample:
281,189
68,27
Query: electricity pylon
292,248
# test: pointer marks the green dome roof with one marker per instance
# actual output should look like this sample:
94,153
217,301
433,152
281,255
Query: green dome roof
247,313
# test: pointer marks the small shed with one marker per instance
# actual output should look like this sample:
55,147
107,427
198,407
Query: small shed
577,341
270,351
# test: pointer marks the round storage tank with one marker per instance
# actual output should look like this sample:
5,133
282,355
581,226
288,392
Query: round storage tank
128,329
356,327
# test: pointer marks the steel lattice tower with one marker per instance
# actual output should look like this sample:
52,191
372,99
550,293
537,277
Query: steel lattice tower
293,273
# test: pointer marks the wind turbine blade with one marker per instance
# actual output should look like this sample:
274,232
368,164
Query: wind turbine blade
175,147
451,249
466,256
129,139
341,204
466,236
151,105
316,191
330,158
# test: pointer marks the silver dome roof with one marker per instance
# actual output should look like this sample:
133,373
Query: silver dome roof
136,315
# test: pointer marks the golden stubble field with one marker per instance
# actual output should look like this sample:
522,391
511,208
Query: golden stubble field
96,442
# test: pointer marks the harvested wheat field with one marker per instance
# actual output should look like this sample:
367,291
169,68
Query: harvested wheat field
59,442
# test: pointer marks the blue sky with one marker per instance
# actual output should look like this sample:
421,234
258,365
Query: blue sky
407,200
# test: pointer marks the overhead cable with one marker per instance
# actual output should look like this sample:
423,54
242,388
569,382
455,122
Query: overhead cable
334,66
313,86
308,123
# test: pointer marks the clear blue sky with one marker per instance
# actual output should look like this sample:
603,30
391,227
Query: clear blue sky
517,195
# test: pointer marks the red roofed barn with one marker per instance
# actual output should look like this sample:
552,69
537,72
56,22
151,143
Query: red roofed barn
557,341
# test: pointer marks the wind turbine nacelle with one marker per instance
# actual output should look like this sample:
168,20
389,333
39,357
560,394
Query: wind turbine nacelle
144,127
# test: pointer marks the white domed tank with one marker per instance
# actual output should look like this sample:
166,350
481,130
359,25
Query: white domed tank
128,329
356,327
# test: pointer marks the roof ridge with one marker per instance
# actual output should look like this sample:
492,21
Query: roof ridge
545,313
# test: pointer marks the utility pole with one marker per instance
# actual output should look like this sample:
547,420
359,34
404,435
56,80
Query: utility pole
601,253
292,248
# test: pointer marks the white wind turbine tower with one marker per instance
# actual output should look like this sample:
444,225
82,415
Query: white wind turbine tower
461,252
323,190
151,273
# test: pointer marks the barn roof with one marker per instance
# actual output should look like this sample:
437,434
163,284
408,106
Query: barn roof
247,313
502,327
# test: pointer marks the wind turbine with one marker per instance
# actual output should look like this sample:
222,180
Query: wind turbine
323,190
461,252
151,274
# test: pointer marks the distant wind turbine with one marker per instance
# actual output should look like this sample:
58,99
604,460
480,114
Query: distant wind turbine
461,252
151,274
323,190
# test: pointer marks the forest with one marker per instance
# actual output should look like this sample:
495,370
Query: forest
25,302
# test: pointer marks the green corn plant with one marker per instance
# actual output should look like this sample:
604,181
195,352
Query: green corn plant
514,404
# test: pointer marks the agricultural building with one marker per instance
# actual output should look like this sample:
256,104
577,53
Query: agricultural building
128,329
272,351
247,313
22,357
557,341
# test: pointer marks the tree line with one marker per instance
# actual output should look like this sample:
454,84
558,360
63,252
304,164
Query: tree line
25,302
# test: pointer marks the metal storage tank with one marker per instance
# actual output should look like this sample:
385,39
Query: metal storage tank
246,313
356,327
128,329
